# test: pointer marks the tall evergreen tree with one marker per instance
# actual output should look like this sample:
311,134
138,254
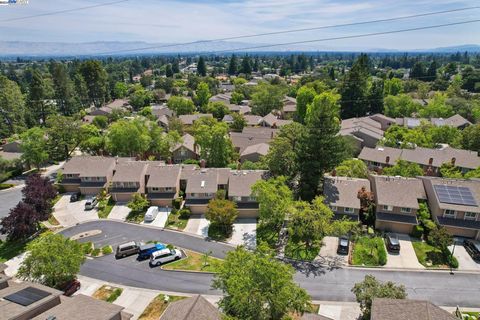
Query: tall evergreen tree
375,97
232,66
354,90
418,71
246,65
201,67
95,78
37,97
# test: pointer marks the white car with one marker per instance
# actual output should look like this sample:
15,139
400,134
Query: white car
151,214
163,256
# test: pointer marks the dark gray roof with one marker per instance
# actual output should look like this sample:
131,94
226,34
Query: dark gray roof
394,217
403,309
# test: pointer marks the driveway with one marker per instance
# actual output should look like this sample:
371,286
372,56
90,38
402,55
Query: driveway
197,224
465,261
161,218
119,211
328,253
320,281
244,233
406,259
70,213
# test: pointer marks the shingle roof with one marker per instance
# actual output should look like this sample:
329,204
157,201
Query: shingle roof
240,182
261,149
272,120
163,176
131,171
188,143
403,309
89,166
194,308
397,191
252,120
202,181
457,121
189,119
243,140
342,191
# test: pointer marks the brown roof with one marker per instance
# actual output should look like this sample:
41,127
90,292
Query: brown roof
261,149
222,175
81,307
457,121
313,316
252,120
159,111
397,191
194,308
342,191
243,140
272,120
189,119
240,182
404,309
89,166
463,158
163,176
188,142
131,171
202,181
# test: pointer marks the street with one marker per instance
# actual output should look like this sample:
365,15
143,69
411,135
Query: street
321,282
9,199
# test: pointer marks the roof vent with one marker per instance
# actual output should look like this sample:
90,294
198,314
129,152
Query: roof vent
202,184
380,149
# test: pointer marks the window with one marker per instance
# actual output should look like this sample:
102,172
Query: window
155,189
405,210
376,164
238,199
251,198
449,213
168,188
387,208
349,210
470,215
192,194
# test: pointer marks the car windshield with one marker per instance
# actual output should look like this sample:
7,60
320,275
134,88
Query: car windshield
393,239
343,242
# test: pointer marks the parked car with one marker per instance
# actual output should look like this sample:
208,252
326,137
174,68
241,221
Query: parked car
473,249
127,249
91,203
392,242
343,245
75,197
151,214
70,287
163,256
146,250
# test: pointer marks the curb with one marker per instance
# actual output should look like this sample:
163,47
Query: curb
188,271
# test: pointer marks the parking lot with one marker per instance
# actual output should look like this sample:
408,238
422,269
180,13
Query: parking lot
406,259
70,213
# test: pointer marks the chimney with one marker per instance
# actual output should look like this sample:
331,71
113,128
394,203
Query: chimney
453,161
334,173
387,160
430,161
202,163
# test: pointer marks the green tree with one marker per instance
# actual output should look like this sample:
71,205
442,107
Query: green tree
237,97
64,135
169,71
305,96
401,105
34,147
393,87
370,288
138,203
201,67
470,138
403,168
418,71
65,94
246,66
354,89
140,98
266,98
257,286
274,198
218,109
135,132
222,213
120,90
445,134
37,98
437,107
43,263
215,145
101,122
95,78
12,108
181,105
202,95
321,149
448,170
238,123
93,140
353,168
232,65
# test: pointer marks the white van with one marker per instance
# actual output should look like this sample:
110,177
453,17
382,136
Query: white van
163,256
151,214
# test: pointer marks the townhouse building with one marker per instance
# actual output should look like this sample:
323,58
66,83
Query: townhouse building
240,184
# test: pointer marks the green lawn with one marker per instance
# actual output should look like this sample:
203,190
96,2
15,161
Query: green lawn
369,252
218,233
429,256
299,251
136,217
157,306
195,262
177,221
470,315
105,211
10,249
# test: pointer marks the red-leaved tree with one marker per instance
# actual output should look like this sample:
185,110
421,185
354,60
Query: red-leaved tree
22,222
39,193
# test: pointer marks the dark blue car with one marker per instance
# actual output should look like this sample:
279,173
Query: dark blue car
147,249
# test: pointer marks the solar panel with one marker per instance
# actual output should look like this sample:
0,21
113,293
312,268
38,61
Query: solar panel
27,296
455,195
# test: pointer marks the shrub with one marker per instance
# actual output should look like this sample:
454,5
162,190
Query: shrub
5,186
382,257
115,294
61,189
452,261
87,247
184,213
417,232
96,252
429,225
176,203
107,250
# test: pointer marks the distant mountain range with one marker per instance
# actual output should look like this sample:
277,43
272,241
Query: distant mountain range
33,49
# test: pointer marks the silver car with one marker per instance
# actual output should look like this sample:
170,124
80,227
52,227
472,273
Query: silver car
91,203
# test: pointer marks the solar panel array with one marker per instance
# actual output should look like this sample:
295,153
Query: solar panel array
455,195
27,296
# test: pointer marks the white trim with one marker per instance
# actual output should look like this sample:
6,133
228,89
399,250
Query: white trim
470,218
348,210
405,210
445,215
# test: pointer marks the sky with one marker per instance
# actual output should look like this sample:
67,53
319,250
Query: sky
174,21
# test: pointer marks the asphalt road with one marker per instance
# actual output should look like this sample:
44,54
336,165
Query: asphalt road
322,282
9,198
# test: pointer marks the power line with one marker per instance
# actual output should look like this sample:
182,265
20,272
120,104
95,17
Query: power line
63,11
294,30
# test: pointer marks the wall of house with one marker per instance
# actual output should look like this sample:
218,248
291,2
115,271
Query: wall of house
389,226
161,202
253,157
461,232
123,197
90,191
179,158
71,187
248,213
368,141
198,209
